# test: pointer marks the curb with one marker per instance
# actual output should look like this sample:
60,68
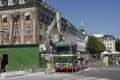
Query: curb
12,74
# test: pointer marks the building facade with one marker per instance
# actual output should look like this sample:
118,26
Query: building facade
28,21
108,41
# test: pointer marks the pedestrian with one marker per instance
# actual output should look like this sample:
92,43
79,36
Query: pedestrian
117,61
106,61
48,67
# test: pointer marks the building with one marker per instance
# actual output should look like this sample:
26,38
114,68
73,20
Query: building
24,22
28,21
108,41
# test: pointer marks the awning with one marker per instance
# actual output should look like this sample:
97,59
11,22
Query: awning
115,52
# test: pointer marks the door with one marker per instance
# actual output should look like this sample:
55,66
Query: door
4,62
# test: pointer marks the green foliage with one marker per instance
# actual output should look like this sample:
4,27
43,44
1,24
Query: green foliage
94,46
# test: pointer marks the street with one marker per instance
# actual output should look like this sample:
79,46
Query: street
106,73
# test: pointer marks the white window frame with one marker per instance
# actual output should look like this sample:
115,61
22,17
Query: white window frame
22,1
5,31
17,42
1,4
28,42
16,30
27,14
10,2
28,30
4,16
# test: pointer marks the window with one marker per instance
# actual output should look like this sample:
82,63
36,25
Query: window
28,42
22,1
27,15
16,18
45,19
0,3
5,31
10,2
4,17
16,30
28,30
16,42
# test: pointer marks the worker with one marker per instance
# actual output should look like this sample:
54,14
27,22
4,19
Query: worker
48,66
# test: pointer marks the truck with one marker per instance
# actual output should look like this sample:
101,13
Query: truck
65,57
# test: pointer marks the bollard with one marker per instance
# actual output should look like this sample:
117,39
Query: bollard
21,67
101,64
33,68
92,65
72,68
6,67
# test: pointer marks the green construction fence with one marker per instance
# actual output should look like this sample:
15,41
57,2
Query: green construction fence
21,54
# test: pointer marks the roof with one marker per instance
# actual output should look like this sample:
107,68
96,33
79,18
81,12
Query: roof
109,36
16,4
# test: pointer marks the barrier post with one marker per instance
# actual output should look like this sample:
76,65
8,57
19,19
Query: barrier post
21,67
92,65
72,68
6,67
33,67
82,67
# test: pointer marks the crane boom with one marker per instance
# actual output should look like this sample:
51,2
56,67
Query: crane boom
55,22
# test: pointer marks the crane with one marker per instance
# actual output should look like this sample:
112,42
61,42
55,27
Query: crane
55,22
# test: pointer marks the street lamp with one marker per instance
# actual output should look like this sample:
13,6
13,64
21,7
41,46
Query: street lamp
1,36
15,17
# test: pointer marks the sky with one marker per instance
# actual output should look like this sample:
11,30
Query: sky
98,16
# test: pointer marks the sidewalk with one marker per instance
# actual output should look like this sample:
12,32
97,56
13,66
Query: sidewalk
100,65
21,73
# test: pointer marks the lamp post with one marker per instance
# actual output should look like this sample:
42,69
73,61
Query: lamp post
2,36
15,17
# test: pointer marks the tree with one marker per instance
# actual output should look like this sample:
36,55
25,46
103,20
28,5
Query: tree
94,46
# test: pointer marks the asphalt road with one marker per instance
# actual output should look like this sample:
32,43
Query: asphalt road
106,73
